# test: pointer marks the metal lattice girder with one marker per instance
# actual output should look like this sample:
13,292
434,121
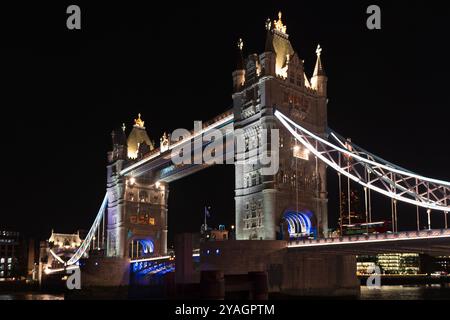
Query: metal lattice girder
372,172
87,241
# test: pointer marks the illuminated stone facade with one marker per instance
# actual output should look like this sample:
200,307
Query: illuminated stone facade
137,207
276,79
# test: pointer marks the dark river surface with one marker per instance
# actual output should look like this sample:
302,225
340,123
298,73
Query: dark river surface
401,292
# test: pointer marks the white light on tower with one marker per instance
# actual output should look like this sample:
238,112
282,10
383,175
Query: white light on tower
132,181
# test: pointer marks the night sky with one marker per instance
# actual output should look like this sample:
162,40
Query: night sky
63,92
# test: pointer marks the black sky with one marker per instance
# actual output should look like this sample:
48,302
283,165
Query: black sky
64,91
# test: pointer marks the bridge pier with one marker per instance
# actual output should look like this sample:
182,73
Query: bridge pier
289,272
105,272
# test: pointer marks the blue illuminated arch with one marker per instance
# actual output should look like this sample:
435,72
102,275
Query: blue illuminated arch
299,223
147,246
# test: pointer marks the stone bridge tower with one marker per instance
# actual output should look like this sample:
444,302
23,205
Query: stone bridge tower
137,206
281,205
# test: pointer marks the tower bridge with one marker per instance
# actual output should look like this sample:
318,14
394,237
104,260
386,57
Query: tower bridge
272,91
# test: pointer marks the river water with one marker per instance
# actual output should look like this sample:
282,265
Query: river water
31,296
407,292
404,292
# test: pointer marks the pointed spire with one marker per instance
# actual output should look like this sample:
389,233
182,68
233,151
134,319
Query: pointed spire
319,70
269,38
239,55
278,24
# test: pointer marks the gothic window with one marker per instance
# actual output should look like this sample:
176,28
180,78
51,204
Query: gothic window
293,180
131,196
299,80
292,77
143,196
285,97
254,179
306,104
246,143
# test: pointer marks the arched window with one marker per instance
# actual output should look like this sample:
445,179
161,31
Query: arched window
143,196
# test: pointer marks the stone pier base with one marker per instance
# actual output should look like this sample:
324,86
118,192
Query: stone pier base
289,271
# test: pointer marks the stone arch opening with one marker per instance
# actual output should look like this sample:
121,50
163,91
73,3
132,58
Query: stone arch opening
141,248
299,224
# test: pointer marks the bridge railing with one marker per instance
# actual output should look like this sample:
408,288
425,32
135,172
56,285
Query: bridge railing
403,235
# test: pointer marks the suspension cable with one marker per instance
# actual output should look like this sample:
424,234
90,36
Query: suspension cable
381,182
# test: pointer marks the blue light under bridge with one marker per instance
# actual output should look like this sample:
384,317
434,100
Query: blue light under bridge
299,223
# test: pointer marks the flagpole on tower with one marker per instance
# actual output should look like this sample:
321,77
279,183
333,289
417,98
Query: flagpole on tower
206,226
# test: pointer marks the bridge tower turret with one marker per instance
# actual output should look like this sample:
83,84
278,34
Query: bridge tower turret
239,73
269,205
137,206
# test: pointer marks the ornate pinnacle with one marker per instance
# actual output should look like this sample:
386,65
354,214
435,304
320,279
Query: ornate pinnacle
138,122
268,24
240,44
278,24
318,50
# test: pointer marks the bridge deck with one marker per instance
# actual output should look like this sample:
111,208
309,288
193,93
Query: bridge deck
435,242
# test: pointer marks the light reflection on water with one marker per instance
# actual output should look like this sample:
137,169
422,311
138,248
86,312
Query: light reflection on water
31,296
407,292
402,292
